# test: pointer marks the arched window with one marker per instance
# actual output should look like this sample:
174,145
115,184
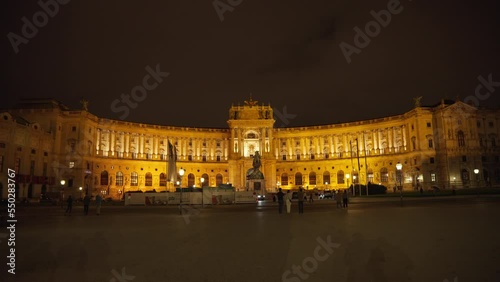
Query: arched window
284,179
340,177
190,180
326,177
312,178
206,180
119,178
370,175
104,178
355,177
218,179
163,179
134,179
465,176
384,175
149,179
461,138
298,178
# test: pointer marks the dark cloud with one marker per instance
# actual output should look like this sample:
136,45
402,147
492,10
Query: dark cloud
284,53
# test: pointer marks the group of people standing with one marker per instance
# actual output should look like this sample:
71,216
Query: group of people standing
342,200
86,204
287,199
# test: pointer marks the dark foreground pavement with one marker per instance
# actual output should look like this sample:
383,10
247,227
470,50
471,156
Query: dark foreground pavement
453,239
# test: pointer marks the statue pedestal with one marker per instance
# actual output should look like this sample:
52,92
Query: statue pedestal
257,185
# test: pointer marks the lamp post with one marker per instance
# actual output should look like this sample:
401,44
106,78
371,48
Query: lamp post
80,191
202,181
62,192
347,177
476,172
399,167
181,173
354,185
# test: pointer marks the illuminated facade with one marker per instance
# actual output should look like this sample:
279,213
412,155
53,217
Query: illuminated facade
449,144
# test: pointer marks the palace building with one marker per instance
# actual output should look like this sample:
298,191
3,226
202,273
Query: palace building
450,144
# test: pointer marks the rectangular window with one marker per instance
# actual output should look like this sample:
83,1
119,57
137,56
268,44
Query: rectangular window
312,156
284,157
204,158
190,157
428,124
70,182
431,144
134,155
464,158
71,164
433,177
327,156
431,160
33,151
298,157
2,145
218,158
73,128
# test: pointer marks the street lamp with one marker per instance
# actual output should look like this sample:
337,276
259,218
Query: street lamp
181,173
62,192
202,181
399,167
354,185
347,177
476,172
80,188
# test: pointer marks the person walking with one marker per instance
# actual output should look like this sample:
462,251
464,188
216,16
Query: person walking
98,202
338,199
288,200
86,203
300,195
345,198
311,198
280,195
69,206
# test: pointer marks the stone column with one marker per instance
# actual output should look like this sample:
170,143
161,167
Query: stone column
98,141
403,129
113,140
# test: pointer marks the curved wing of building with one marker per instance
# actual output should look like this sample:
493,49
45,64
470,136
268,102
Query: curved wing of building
451,144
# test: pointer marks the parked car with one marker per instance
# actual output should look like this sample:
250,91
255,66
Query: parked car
327,194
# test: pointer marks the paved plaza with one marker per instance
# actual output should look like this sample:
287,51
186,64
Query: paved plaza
431,240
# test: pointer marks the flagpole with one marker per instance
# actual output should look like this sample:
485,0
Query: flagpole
366,164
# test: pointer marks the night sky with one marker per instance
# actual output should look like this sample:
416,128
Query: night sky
286,53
